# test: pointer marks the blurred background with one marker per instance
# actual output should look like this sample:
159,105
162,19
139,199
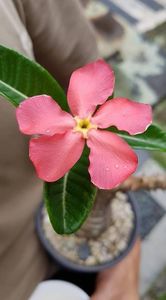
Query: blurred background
131,35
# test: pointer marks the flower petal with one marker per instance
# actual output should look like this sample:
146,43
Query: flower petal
90,86
111,159
125,114
42,115
54,156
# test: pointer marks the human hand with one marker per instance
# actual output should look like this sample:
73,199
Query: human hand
121,281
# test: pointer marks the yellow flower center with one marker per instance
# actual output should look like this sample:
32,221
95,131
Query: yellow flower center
83,126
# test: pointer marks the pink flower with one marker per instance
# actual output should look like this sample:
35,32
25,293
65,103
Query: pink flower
61,136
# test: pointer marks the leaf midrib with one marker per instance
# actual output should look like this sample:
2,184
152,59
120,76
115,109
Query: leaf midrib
63,200
13,89
134,138
149,144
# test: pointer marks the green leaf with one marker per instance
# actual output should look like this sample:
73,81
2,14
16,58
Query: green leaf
70,199
21,78
154,138
162,297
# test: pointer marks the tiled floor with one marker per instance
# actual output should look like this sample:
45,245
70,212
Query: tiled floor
140,65
152,208
142,14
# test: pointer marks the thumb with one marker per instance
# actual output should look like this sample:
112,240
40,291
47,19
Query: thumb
100,296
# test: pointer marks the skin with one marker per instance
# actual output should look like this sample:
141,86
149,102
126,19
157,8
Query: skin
120,282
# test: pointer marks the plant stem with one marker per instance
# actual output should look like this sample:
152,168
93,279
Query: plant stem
134,183
99,218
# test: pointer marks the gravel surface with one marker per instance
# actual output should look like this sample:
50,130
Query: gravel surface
106,247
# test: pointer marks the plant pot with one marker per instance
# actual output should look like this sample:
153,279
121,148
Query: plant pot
74,266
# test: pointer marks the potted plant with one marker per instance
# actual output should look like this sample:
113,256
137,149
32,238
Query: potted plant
97,128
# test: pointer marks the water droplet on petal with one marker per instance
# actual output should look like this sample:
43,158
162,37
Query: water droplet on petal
116,166
48,130
107,169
